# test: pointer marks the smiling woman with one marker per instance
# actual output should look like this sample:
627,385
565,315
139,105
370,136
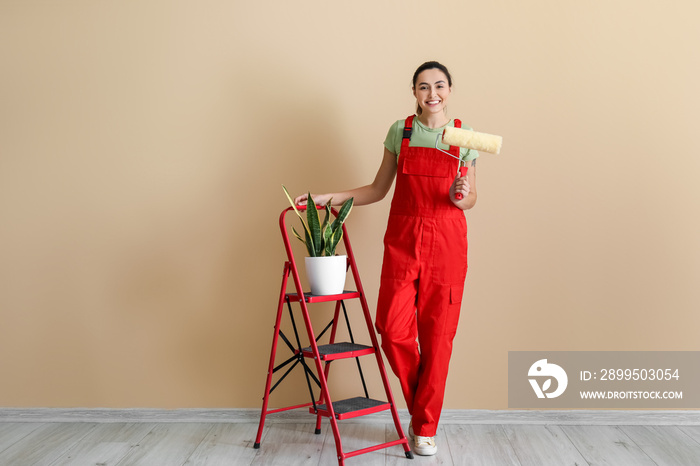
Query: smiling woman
425,249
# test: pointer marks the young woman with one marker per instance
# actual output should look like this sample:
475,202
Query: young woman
425,249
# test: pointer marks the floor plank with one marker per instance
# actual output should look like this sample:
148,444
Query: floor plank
106,444
480,445
396,455
12,432
226,445
606,445
666,445
293,445
354,436
167,445
537,445
44,444
691,431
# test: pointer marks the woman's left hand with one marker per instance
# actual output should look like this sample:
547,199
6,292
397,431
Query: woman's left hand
460,185
467,186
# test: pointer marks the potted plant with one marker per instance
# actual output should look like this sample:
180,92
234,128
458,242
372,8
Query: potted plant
324,269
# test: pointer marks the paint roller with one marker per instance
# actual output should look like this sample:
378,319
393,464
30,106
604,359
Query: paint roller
470,140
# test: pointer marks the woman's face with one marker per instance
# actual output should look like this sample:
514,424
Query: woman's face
431,91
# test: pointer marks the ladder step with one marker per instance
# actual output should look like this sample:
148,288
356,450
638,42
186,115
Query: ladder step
339,351
312,298
352,407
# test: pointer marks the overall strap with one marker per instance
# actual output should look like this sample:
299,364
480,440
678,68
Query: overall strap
407,130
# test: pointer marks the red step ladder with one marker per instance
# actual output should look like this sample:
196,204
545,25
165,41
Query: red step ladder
326,406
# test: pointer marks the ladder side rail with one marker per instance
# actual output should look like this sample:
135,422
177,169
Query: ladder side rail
271,365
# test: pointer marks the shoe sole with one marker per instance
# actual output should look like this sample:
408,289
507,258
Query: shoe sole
430,452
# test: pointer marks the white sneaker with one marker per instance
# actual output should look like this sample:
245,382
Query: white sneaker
424,446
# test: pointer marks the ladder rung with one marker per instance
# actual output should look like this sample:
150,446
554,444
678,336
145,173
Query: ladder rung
339,351
312,298
352,407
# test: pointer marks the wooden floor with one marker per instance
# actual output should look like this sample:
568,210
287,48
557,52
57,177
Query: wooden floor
220,443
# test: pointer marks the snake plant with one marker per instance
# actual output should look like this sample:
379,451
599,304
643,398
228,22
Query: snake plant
321,239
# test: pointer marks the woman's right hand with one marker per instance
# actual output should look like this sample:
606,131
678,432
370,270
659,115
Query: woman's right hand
319,199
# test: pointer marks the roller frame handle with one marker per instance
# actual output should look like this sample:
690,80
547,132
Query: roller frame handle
462,174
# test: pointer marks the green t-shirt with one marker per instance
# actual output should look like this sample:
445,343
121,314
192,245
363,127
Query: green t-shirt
423,136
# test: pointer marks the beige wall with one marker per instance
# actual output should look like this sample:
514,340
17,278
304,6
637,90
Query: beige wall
143,145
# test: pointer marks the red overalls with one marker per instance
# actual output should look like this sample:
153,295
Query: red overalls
422,281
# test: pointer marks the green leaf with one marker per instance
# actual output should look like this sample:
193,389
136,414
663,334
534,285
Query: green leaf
343,213
327,235
314,225
305,241
306,228
325,226
298,236
334,240
291,201
310,245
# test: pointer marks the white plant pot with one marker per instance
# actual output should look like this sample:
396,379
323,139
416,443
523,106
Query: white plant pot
326,274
